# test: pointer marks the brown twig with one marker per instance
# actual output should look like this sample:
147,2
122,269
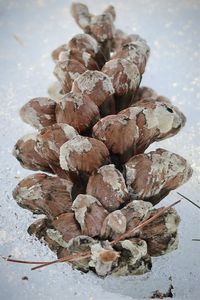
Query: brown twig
188,200
86,254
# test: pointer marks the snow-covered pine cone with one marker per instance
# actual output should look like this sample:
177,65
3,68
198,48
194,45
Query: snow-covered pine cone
92,134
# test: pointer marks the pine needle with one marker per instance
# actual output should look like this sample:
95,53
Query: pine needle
22,261
73,257
188,200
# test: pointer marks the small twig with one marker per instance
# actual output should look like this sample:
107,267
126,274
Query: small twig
196,240
188,200
144,223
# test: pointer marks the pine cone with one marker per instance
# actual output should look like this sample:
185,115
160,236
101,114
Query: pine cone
98,205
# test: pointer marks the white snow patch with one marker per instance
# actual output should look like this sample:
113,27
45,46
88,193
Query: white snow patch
80,205
86,58
32,193
130,174
87,81
69,131
56,236
114,178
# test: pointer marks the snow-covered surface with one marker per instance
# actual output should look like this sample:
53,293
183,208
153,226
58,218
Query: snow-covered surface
29,31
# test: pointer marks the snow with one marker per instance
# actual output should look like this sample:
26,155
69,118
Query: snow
172,31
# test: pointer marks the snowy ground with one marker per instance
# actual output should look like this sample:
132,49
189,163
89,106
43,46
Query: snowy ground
29,30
